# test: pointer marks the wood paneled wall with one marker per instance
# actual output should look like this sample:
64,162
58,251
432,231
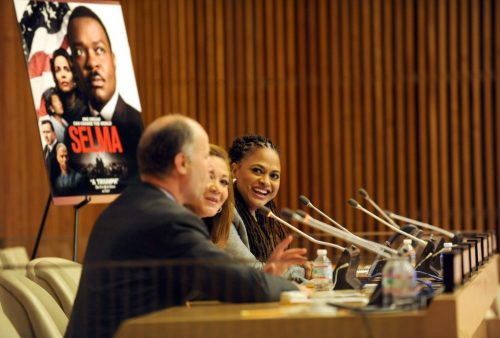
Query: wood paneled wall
398,97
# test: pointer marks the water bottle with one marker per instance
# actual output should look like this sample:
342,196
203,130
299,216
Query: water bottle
399,284
446,248
408,251
322,272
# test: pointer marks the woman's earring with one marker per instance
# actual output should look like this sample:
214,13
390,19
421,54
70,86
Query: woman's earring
219,211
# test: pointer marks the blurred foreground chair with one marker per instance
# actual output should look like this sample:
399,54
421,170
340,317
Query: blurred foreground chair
59,277
29,308
7,329
15,257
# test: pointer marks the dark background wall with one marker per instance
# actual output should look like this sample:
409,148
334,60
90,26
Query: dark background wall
398,97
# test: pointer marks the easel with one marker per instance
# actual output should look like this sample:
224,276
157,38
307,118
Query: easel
76,207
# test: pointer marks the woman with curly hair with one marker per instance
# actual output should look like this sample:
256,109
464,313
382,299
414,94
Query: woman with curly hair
256,167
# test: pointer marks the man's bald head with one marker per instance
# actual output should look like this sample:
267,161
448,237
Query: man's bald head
162,140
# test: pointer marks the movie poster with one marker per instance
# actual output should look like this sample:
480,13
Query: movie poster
85,96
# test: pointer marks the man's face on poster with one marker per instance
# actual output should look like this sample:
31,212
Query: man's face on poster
48,134
94,60
62,157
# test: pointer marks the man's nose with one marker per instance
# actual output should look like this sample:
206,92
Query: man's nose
92,60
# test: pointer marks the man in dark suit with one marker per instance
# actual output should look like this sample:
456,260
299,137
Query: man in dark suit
96,71
148,252
49,150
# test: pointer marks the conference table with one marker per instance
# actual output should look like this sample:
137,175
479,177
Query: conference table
457,314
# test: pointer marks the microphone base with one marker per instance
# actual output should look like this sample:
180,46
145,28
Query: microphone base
346,277
458,239
396,240
435,263
376,267
377,296
424,263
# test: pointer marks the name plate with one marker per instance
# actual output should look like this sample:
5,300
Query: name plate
466,260
452,270
475,247
486,246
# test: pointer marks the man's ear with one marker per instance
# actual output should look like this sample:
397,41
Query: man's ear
180,163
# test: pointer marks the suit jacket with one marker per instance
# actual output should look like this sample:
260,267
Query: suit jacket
129,123
146,253
52,164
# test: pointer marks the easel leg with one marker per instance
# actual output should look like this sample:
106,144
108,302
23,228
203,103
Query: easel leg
75,235
40,228
75,226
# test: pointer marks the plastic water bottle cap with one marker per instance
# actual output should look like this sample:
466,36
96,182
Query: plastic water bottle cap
407,241
321,252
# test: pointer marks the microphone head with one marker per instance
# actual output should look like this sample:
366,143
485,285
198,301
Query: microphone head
363,193
302,213
304,200
287,214
265,211
353,203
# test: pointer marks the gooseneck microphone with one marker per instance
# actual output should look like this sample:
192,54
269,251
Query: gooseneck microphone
336,232
349,259
308,217
307,203
268,213
353,203
367,197
420,224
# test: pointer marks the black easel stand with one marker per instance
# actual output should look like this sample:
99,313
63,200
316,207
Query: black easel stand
40,228
75,226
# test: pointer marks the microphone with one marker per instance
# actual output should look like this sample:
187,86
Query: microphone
349,259
353,203
268,213
363,193
420,224
336,232
307,203
305,216
426,247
